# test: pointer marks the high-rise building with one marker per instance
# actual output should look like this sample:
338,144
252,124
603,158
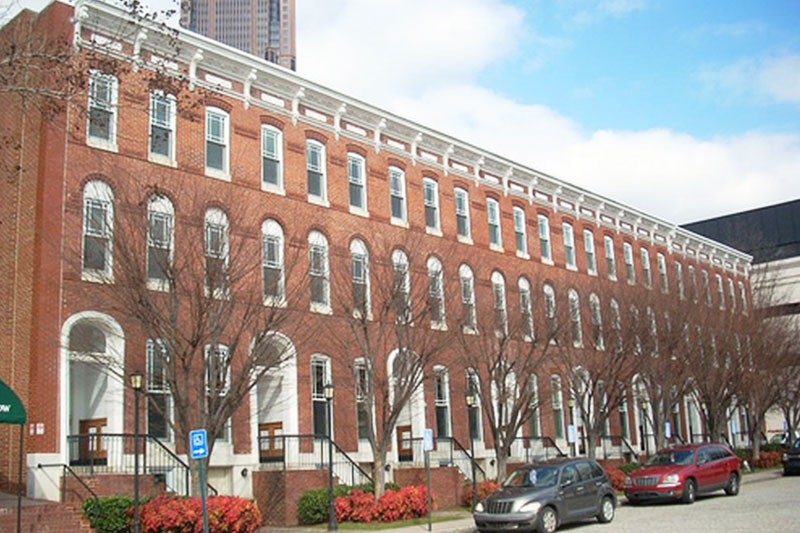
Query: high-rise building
264,28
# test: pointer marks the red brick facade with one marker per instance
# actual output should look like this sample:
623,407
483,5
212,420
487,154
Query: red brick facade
42,218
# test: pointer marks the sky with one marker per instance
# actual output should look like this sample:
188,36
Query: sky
683,109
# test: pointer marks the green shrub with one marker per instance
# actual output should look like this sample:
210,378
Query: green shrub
627,468
109,514
313,505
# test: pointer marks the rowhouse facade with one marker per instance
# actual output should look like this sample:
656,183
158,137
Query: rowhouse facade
325,193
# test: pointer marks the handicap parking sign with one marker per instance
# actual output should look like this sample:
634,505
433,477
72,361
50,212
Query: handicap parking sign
199,443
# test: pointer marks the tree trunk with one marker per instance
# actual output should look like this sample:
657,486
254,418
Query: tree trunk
756,447
502,462
379,472
591,438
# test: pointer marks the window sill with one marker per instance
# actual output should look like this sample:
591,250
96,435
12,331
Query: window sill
433,231
357,315
217,174
316,200
274,189
323,309
469,330
573,268
272,301
527,338
158,285
439,326
465,240
102,144
359,212
523,255
399,222
94,276
612,278
592,272
496,248
631,282
159,159
548,262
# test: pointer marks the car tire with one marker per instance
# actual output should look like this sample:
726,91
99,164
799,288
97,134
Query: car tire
689,492
606,513
548,520
732,488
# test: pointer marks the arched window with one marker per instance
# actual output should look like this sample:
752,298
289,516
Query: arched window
320,376
436,293
218,369
635,325
499,298
160,235
319,272
535,420
217,246
467,282
401,289
441,400
550,310
98,231
272,262
616,324
652,329
575,317
475,417
360,266
597,322
525,308
558,405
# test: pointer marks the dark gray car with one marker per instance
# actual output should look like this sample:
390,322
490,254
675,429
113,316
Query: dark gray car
542,496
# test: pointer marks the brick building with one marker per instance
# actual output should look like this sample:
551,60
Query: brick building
327,176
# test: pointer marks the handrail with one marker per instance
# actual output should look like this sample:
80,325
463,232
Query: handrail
350,460
554,445
66,468
471,458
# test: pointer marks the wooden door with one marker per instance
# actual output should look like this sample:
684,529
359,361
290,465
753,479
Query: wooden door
270,442
91,448
405,450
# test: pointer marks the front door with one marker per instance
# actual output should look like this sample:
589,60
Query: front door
405,451
90,446
270,442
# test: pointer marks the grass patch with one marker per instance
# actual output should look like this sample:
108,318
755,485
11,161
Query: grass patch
376,526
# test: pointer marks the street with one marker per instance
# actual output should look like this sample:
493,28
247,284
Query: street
767,502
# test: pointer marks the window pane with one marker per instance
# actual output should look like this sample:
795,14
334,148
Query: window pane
314,183
158,406
215,155
100,123
94,252
356,199
270,169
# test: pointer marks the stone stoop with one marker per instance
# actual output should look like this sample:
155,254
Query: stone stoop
44,517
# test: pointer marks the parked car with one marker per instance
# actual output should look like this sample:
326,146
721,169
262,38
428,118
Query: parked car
542,496
683,472
791,459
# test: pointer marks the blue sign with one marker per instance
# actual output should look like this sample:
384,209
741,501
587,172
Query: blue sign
198,441
427,440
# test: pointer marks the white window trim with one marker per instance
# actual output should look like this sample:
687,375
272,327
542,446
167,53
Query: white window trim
166,208
269,300
437,229
225,173
501,303
545,236
160,159
518,211
627,254
647,269
440,371
606,240
498,246
569,244
99,191
524,286
575,317
271,187
663,272
590,248
360,211
315,241
97,142
312,198
401,175
466,239
435,269
357,247
465,273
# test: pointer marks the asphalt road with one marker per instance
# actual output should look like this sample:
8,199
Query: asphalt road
767,503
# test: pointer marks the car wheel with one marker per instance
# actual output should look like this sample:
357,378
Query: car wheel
732,488
548,520
689,491
606,510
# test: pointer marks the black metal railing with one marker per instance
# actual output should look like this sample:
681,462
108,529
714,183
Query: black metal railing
66,469
615,446
538,448
447,451
113,453
309,452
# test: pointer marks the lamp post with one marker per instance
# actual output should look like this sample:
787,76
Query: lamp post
328,391
136,379
571,405
645,407
471,403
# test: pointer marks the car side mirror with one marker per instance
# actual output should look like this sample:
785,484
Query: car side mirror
701,461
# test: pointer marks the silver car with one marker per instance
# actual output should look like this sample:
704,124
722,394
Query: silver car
542,496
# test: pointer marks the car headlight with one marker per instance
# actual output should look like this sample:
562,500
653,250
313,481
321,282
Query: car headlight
672,479
628,481
479,507
785,457
530,507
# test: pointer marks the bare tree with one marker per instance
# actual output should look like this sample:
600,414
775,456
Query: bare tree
505,352
392,303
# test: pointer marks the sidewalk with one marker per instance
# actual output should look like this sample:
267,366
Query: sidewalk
763,475
464,524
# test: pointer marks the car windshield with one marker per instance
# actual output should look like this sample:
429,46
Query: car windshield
675,457
539,476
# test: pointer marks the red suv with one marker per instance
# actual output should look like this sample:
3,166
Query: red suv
683,472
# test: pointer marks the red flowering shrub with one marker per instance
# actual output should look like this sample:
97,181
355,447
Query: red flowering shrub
485,488
226,514
768,459
616,477
358,506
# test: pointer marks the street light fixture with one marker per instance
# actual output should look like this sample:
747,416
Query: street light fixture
472,402
328,392
136,379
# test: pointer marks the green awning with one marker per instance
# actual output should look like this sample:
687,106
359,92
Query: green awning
11,410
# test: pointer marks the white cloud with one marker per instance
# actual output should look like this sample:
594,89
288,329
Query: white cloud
775,79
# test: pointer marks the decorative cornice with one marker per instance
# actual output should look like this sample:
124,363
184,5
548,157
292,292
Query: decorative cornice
280,86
